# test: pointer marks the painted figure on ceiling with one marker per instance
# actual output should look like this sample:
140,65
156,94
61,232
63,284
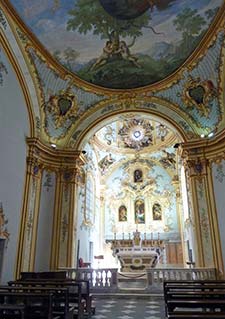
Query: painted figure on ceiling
105,163
124,50
105,56
169,160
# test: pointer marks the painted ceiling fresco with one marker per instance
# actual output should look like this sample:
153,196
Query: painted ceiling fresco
119,44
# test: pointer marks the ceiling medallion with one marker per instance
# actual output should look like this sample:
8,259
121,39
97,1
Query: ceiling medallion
136,134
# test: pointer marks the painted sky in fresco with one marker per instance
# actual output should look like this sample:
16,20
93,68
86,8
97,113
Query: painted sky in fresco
48,21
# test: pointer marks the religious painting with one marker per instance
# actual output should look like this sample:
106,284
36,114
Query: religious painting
138,176
122,213
119,44
157,212
139,211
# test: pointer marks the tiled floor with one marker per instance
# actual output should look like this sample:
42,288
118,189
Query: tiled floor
129,308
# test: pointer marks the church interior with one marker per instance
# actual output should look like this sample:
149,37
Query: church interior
112,130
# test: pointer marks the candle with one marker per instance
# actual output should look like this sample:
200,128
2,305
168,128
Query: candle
144,235
122,235
114,235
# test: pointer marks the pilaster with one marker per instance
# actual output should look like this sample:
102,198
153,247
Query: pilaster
198,158
66,164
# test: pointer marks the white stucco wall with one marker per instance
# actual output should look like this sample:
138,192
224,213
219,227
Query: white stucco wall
14,127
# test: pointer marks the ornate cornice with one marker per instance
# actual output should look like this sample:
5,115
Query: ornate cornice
211,149
54,159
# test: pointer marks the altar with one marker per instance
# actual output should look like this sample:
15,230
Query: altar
137,254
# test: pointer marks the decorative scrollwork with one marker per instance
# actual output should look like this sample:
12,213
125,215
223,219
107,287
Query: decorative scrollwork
198,93
62,106
3,222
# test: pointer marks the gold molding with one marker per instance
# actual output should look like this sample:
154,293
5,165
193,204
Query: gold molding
120,110
211,148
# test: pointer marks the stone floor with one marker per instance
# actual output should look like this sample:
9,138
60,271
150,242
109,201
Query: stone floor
129,307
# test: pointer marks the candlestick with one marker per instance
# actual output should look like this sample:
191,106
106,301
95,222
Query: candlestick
114,235
144,235
129,235
158,236
122,235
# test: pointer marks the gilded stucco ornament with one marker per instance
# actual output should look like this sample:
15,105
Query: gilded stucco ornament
198,93
3,69
3,20
62,106
4,234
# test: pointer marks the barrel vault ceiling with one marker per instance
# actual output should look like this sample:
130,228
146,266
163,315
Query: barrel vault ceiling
85,62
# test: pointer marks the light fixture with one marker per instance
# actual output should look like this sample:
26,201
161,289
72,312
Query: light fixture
210,134
202,135
53,145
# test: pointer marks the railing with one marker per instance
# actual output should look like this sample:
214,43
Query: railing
106,279
156,276
100,279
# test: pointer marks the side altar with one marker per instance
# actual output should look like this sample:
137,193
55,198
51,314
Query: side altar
137,254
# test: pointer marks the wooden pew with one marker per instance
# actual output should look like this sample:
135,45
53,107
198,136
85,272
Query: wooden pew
60,297
12,310
36,304
74,291
62,276
207,295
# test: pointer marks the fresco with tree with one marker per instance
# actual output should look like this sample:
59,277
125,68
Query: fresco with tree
120,44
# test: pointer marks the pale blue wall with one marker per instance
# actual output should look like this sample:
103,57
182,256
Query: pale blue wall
219,189
14,128
45,221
